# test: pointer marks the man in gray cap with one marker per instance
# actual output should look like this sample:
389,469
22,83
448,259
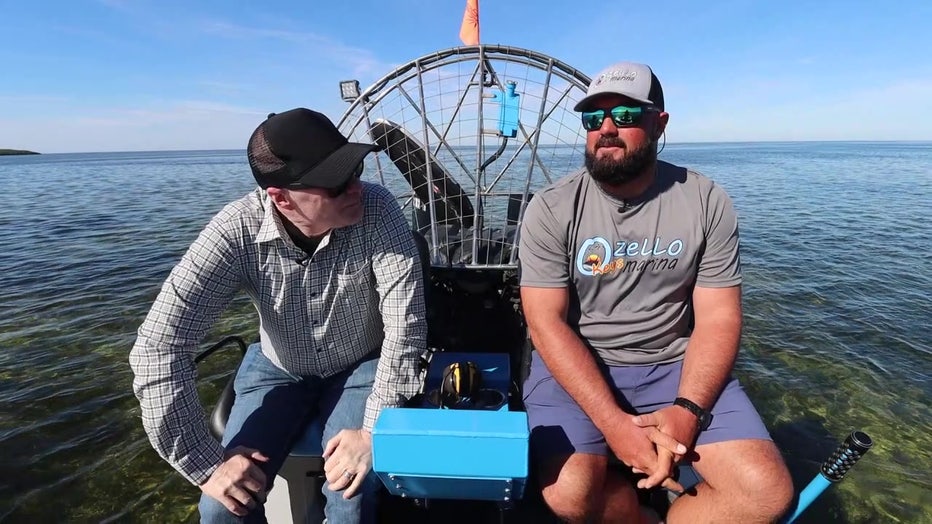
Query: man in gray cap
333,271
631,286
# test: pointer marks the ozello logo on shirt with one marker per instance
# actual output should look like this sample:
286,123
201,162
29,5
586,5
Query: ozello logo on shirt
596,256
617,75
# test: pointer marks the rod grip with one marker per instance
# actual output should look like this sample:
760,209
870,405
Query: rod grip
846,455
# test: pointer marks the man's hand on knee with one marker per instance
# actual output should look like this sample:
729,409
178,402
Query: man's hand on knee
347,460
238,484
662,475
671,425
638,448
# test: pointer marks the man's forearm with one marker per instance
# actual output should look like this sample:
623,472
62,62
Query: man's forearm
710,358
171,414
404,318
165,382
574,368
396,380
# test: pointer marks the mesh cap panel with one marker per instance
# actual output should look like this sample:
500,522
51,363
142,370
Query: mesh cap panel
261,158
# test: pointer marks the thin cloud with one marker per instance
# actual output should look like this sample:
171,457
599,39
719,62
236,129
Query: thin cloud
122,5
360,62
203,107
34,99
177,111
863,114
227,30
181,124
226,88
91,35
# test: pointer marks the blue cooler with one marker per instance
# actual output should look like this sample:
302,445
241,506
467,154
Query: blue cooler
474,454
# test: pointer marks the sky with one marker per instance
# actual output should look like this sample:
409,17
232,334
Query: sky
142,75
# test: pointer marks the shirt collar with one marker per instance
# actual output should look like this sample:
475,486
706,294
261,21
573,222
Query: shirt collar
271,228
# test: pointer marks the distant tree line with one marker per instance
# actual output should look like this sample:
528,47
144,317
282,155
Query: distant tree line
16,152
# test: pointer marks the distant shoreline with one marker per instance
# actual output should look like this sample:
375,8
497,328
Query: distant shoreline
4,152
922,142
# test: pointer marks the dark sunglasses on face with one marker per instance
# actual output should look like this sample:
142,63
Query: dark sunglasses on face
338,191
622,116
342,188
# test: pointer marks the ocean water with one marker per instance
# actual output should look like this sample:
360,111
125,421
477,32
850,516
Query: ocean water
838,296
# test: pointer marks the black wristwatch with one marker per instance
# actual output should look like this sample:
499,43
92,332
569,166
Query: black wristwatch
703,417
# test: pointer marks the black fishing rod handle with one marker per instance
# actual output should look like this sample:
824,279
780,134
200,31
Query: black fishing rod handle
848,453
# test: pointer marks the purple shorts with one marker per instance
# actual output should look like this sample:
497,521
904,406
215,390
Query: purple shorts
559,426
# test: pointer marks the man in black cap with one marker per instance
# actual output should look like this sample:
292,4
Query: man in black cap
333,271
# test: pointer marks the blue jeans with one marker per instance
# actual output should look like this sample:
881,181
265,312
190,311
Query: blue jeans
272,408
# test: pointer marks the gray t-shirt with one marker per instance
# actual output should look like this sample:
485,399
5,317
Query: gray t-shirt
630,266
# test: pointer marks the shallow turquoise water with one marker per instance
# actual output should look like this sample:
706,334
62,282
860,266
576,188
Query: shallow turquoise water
835,240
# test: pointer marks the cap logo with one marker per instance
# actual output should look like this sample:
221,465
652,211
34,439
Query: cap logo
617,76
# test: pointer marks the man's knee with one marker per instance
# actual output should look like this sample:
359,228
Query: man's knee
572,487
770,488
213,512
361,508
570,504
762,486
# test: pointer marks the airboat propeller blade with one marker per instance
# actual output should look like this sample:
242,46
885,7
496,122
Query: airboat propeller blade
431,182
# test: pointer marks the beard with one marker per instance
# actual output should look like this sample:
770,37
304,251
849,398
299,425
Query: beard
617,172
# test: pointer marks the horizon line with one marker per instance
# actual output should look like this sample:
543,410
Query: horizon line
686,143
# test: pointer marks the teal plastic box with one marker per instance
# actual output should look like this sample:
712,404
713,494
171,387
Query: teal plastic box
452,454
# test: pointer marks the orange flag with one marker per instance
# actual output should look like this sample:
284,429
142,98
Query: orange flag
469,31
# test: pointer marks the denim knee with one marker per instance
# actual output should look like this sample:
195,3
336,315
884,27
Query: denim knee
359,509
213,512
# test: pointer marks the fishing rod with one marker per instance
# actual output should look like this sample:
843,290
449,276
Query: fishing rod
833,470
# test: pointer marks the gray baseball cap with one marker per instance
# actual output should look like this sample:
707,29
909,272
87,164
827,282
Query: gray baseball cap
635,81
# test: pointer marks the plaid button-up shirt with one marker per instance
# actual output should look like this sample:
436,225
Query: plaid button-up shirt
362,291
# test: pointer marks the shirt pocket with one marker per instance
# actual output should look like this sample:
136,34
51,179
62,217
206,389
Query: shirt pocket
355,285
354,270
354,303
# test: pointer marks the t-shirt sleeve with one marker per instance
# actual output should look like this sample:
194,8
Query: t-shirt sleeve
542,249
720,265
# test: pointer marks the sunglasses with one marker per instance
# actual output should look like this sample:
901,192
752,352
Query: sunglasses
336,192
340,189
622,116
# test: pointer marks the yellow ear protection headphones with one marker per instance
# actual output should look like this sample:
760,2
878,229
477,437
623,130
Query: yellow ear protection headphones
461,382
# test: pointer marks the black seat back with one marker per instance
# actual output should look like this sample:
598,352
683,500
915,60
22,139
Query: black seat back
423,250
221,412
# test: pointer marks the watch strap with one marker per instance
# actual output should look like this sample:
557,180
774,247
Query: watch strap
703,417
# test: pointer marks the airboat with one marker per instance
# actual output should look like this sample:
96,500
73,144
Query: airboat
468,134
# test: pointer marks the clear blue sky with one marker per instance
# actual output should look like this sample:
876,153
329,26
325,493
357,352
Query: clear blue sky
115,75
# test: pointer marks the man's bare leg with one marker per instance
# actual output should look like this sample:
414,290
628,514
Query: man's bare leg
743,481
578,488
620,498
